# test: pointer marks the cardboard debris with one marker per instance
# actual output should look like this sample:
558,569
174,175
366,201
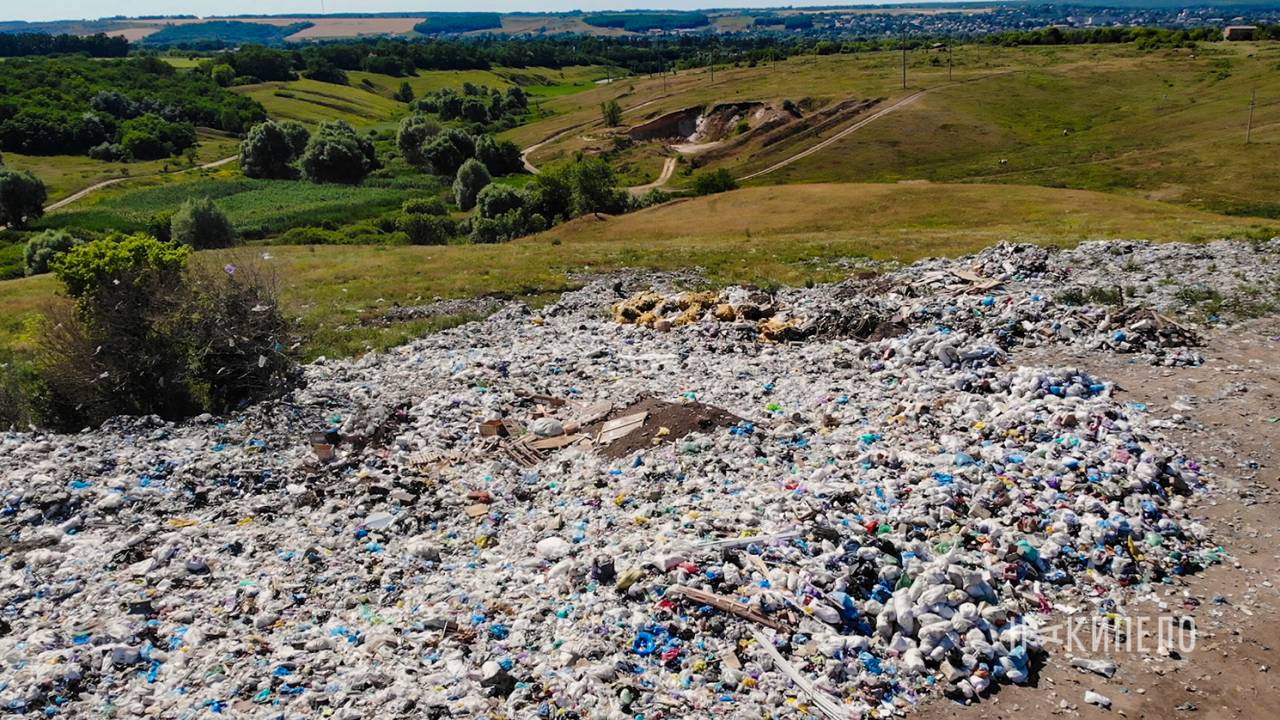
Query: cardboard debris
620,428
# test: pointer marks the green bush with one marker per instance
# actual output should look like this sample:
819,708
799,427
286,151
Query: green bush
445,153
201,225
412,136
495,200
716,181
270,149
424,229
501,157
424,206
151,137
43,248
472,178
338,154
22,197
149,335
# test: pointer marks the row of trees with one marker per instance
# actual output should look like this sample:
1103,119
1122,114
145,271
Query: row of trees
430,146
477,104
99,45
336,153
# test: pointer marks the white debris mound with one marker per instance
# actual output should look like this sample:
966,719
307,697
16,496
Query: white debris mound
890,517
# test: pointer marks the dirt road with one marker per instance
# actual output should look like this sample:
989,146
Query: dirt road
81,194
668,169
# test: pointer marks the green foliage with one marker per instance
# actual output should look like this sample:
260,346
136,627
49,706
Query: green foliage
404,93
338,154
412,136
424,206
223,74
471,179
426,229
478,104
611,113
60,106
458,22
151,137
149,337
715,181
231,32
22,197
448,151
594,188
495,200
43,248
260,63
270,149
639,22
501,157
119,266
201,225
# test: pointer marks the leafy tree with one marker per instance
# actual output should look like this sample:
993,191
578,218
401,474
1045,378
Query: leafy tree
149,335
405,93
270,149
43,248
22,197
716,181
223,74
501,157
151,137
297,135
448,150
611,112
424,206
550,194
426,229
414,133
202,225
472,178
595,188
321,70
495,200
338,154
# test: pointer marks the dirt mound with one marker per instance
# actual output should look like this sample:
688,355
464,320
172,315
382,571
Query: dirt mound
699,125
663,422
678,125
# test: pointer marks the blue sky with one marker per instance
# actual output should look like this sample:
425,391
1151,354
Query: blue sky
76,9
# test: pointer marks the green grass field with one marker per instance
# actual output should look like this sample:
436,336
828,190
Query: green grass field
311,102
787,234
258,208
1168,125
66,174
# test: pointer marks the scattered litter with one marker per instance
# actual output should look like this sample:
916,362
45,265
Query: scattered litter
838,500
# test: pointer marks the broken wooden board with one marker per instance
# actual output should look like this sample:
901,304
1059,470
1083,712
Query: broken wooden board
620,428
728,605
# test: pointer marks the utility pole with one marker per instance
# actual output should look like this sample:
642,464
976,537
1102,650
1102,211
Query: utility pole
1248,133
904,59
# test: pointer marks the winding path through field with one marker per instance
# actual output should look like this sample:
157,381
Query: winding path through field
81,194
668,169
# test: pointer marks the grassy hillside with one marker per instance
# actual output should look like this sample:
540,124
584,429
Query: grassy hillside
1166,124
1169,125
787,234
311,102
65,174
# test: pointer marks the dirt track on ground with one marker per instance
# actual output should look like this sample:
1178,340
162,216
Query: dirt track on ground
81,194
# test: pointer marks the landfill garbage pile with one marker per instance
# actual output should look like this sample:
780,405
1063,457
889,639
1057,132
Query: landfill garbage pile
442,531
1117,297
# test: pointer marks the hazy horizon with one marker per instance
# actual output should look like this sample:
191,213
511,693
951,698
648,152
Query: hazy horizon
94,9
